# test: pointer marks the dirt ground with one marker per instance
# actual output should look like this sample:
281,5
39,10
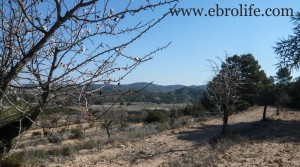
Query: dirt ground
272,143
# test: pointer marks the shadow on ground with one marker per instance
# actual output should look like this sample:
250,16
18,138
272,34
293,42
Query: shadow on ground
272,130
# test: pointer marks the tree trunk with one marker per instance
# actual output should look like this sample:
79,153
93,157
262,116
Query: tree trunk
107,131
225,122
277,110
265,112
107,125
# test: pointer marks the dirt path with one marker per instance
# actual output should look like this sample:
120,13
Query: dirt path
155,150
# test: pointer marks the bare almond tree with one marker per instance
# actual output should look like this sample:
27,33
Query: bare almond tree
222,91
112,118
55,49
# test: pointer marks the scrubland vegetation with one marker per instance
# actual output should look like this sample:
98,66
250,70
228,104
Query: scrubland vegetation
68,135
60,110
155,136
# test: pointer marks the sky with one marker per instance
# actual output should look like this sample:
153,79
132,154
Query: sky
196,39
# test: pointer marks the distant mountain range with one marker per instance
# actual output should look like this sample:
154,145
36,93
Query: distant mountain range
157,93
150,88
149,93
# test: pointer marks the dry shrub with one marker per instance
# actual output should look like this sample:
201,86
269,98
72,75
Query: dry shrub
90,144
163,126
76,133
61,151
155,116
54,139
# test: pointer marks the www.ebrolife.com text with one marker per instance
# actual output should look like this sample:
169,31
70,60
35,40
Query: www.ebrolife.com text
240,10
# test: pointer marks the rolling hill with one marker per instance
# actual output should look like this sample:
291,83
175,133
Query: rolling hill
154,93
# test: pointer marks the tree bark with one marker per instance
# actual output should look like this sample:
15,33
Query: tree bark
265,112
225,121
107,131
107,125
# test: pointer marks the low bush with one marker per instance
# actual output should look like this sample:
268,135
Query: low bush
242,106
195,110
163,126
62,132
155,116
46,132
66,151
136,116
180,122
123,126
76,133
176,113
54,139
90,144
60,151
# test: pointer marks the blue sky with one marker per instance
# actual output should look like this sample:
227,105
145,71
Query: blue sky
196,39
